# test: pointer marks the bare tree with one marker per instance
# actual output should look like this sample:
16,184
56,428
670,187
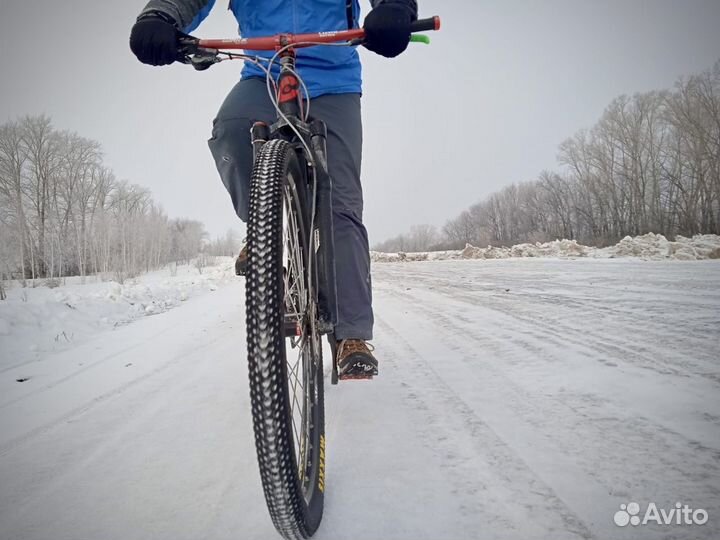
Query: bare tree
13,156
63,212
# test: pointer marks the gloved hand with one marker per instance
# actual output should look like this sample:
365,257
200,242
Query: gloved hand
155,40
387,29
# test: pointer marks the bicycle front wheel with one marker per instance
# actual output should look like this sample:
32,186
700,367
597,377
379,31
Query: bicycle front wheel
284,346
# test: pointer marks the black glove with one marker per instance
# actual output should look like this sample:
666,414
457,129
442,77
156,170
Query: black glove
155,40
387,29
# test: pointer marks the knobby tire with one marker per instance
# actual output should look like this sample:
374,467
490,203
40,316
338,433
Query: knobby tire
286,381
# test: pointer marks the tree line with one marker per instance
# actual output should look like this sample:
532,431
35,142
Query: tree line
650,164
64,213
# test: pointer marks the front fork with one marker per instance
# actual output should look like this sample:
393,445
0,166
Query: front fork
327,300
325,239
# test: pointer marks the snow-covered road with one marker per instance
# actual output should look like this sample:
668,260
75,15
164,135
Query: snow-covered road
518,399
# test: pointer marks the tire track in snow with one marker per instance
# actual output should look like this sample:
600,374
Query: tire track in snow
79,372
102,398
508,495
543,327
116,433
682,463
461,326
656,332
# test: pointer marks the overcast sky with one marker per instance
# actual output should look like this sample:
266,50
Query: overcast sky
485,105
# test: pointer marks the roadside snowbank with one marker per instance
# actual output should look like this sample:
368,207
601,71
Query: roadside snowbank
648,246
36,320
656,246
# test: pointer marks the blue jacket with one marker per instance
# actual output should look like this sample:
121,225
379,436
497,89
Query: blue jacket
325,69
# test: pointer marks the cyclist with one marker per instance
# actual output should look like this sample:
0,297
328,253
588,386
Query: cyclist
333,79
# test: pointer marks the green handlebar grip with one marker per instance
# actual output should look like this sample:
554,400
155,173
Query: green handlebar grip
420,38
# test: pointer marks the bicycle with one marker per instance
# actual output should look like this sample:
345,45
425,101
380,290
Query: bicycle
290,276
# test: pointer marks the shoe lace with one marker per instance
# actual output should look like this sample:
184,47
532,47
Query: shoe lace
354,345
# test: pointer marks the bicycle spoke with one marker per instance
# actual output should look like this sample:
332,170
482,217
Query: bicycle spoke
296,307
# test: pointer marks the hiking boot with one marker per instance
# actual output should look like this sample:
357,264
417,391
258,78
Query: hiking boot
241,262
354,360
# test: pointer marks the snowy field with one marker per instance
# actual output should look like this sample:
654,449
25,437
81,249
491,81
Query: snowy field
518,399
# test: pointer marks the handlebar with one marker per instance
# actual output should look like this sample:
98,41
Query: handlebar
426,25
303,40
202,53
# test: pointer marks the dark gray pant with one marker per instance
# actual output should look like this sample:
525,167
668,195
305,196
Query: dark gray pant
247,103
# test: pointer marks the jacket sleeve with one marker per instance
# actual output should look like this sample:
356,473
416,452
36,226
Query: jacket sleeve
188,14
411,5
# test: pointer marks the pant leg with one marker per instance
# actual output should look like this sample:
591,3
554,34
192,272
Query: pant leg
341,113
230,144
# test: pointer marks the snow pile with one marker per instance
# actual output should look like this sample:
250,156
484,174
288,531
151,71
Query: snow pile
656,246
33,320
648,246
558,248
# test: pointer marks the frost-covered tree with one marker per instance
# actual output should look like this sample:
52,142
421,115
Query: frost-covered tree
63,212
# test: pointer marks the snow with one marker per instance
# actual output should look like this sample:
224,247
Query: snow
649,246
38,320
656,246
522,398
